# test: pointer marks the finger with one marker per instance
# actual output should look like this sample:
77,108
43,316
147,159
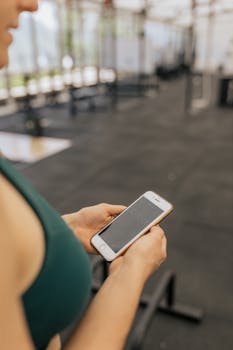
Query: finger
164,247
156,226
114,210
158,231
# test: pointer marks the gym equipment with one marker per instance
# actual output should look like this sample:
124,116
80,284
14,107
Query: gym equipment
225,91
127,50
82,35
32,121
162,299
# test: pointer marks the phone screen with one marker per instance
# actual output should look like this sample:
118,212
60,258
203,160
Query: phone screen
130,223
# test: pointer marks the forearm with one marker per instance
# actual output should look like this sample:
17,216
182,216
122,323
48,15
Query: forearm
108,319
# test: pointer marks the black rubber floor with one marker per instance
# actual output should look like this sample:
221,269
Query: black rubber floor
149,143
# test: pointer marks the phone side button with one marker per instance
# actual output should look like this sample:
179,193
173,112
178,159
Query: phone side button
102,247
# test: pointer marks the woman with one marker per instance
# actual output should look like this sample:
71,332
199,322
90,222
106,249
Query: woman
45,275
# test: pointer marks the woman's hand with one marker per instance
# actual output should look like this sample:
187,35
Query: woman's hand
144,256
88,221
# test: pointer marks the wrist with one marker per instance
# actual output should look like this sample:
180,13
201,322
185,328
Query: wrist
71,220
67,218
132,270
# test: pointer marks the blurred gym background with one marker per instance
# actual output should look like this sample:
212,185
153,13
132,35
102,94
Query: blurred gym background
105,99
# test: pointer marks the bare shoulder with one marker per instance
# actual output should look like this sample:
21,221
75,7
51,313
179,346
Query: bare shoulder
13,327
7,247
21,234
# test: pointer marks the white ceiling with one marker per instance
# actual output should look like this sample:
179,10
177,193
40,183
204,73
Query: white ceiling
178,11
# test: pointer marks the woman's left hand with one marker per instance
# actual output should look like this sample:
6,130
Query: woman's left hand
88,221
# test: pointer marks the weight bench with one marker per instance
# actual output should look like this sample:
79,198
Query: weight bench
162,299
86,93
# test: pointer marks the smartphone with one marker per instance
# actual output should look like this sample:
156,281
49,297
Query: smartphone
148,210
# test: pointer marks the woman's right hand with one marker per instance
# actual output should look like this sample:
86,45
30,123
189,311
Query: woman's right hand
145,255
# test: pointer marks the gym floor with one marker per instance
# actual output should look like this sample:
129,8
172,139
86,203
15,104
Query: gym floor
150,143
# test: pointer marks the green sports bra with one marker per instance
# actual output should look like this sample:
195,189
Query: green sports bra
61,290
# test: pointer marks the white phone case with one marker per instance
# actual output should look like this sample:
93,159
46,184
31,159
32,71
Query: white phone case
105,250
